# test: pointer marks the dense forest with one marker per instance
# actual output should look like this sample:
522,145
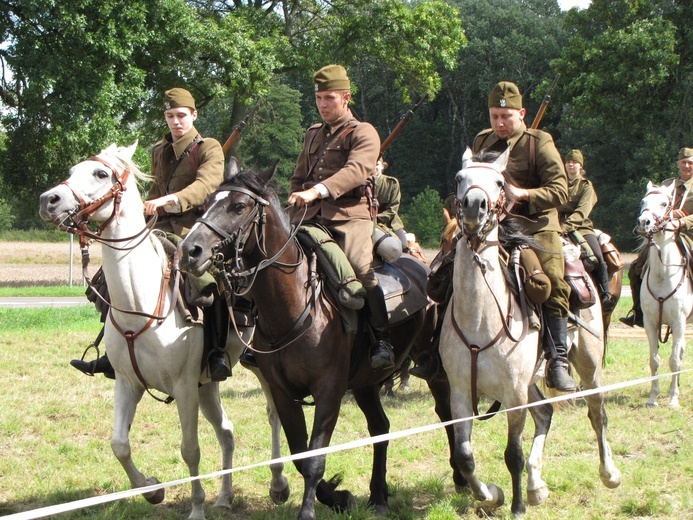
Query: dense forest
80,74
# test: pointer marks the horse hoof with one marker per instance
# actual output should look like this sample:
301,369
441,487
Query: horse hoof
652,404
281,496
154,497
536,497
344,501
381,509
611,479
497,497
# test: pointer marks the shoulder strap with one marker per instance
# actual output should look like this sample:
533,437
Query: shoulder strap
195,152
532,156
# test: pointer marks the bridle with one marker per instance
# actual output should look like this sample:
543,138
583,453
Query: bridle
660,224
477,242
239,281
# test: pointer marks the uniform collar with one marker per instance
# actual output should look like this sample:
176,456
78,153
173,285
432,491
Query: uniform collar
339,123
182,144
516,135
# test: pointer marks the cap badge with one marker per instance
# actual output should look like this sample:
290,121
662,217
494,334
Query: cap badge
167,105
502,103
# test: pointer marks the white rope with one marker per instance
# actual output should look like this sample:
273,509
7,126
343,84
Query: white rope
112,497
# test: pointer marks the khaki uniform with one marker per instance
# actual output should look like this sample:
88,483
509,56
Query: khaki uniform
574,214
343,162
548,189
389,197
190,186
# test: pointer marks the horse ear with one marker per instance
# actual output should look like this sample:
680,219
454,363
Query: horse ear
466,157
650,186
267,174
502,161
232,169
127,152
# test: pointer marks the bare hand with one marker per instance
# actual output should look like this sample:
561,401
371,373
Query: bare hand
516,194
150,206
303,198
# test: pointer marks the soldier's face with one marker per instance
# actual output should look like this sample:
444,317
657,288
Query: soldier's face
504,121
686,168
180,120
572,168
332,104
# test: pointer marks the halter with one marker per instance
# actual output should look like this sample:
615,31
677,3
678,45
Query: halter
660,222
478,239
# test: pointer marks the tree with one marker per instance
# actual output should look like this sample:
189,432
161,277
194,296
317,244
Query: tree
625,97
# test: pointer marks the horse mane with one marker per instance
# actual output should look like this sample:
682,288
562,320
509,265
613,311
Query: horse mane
128,164
253,182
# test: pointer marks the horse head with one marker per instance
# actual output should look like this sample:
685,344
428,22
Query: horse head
233,224
480,192
93,190
655,209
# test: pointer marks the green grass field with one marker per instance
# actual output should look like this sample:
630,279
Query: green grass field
55,428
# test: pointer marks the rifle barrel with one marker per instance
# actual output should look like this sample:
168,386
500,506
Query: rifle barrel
238,129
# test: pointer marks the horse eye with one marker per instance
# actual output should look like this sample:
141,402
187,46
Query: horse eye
239,207
102,174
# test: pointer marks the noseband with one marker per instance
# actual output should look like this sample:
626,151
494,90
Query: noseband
659,222
477,239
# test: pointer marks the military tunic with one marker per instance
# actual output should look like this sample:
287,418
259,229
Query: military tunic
389,197
574,214
342,158
683,189
548,189
190,186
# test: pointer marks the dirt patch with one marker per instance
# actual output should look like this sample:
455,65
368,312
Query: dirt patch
44,263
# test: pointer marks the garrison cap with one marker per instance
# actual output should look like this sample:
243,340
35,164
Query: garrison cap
178,97
505,95
685,153
575,155
331,77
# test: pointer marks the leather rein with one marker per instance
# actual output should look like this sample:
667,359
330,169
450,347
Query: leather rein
239,281
77,224
477,243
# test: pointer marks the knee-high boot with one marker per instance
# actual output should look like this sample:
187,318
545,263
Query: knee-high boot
635,315
602,276
382,355
216,329
555,346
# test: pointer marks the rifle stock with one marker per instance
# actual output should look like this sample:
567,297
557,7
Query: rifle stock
238,129
544,104
401,124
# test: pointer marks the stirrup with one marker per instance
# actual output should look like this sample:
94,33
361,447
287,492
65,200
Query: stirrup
382,356
247,359
216,364
632,319
428,370
557,376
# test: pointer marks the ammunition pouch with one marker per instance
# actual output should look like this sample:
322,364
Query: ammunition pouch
582,291
535,281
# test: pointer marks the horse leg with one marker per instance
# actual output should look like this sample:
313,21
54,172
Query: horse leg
188,404
125,403
652,337
490,495
515,458
441,395
588,364
537,490
210,404
368,400
279,487
678,346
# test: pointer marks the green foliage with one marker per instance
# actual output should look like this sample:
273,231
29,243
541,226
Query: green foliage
6,215
424,217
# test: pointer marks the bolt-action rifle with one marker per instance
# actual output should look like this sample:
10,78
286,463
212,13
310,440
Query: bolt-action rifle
544,104
402,123
238,129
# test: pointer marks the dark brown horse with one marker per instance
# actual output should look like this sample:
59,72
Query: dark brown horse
301,343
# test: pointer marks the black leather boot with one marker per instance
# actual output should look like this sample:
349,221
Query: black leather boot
556,353
429,365
247,359
634,317
382,355
97,366
216,327
601,275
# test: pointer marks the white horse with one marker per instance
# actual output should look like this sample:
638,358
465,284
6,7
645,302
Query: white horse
667,292
487,348
149,342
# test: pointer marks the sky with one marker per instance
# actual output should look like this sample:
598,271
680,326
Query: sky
567,4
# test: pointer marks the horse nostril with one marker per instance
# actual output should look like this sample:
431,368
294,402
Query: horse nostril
195,252
483,205
54,199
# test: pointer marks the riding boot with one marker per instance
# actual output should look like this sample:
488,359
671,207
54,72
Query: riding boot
97,366
216,327
634,317
602,276
382,355
556,353
430,366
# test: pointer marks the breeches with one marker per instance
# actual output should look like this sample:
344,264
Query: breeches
355,239
551,258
